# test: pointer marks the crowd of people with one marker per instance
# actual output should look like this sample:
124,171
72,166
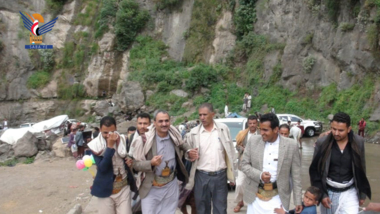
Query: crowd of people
157,168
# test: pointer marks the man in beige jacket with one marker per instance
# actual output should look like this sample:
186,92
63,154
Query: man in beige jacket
159,163
210,172
269,161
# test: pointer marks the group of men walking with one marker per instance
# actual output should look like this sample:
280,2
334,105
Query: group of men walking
269,166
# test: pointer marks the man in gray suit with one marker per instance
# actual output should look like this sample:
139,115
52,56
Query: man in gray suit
160,164
269,161
215,164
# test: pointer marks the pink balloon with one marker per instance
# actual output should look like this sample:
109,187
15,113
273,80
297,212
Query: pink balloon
80,164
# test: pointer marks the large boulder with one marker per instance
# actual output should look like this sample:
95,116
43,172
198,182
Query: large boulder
60,149
5,148
26,146
179,92
131,97
101,108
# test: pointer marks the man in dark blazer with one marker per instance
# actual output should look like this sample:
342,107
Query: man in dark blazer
338,168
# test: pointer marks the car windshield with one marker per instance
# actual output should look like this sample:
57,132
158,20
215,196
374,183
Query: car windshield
234,127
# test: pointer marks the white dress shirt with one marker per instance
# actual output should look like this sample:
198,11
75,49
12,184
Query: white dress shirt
211,151
270,159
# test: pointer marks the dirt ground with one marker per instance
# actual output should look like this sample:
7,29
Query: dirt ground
47,186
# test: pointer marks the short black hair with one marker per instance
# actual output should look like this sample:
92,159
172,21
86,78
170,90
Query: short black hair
285,126
97,129
132,128
314,191
272,118
144,115
208,106
252,117
160,111
342,117
107,121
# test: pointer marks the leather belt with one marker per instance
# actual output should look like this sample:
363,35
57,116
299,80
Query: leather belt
334,189
268,186
212,173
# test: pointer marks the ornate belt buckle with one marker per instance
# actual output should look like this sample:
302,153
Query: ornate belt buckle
268,186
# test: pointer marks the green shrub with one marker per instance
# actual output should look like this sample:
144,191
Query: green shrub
373,36
308,63
199,40
201,76
245,17
106,16
94,48
11,162
66,91
29,160
130,20
344,27
163,4
54,6
308,39
87,17
38,79
68,52
333,9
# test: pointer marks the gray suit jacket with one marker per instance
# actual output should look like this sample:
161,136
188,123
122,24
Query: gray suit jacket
289,165
145,166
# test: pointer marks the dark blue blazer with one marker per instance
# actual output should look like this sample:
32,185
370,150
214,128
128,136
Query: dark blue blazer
103,182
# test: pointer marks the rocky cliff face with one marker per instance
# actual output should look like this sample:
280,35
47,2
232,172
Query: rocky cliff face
334,56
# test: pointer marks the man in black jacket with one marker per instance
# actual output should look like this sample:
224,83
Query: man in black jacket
338,168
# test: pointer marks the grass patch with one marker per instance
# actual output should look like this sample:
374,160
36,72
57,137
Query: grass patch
345,27
67,92
87,18
11,162
373,36
38,79
29,160
308,39
201,34
106,17
168,4
54,6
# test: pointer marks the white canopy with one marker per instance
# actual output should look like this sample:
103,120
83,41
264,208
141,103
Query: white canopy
11,136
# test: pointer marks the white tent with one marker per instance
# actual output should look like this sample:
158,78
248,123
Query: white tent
11,136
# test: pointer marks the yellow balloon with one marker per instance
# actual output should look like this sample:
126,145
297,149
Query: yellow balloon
88,162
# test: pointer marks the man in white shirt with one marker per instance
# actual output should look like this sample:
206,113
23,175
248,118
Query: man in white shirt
269,162
209,174
296,133
226,111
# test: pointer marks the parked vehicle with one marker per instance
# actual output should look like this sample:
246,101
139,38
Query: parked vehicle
235,125
311,127
25,125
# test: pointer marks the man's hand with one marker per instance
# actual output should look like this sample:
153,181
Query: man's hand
129,162
112,138
326,202
193,154
232,184
279,210
265,177
372,207
361,202
299,208
156,160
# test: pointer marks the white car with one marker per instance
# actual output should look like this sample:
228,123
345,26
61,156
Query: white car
26,125
311,127
235,125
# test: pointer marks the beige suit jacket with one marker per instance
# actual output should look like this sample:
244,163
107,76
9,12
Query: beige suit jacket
145,166
193,139
289,165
